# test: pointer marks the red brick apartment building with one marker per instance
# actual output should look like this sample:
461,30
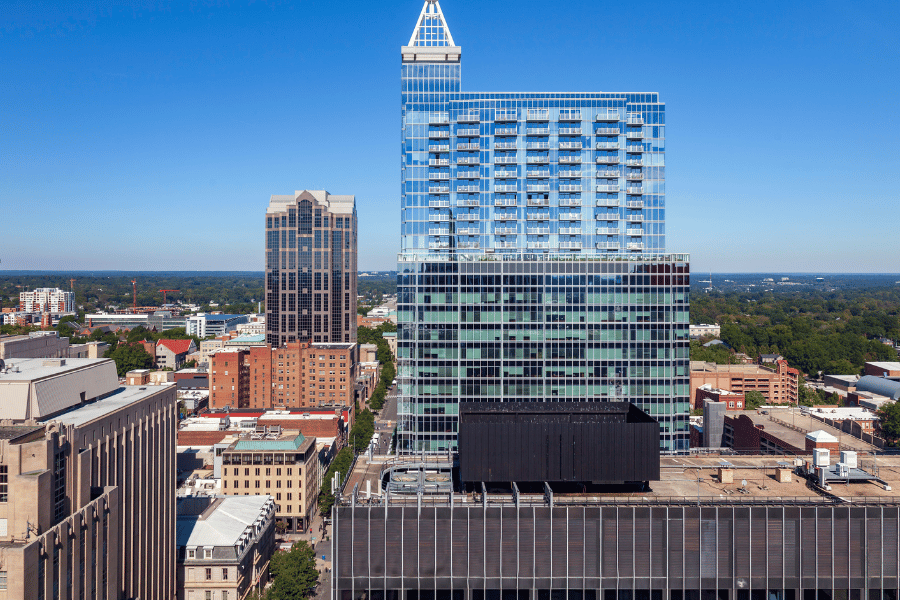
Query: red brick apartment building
778,384
296,375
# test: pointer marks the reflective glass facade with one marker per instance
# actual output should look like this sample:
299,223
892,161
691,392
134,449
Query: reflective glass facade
498,191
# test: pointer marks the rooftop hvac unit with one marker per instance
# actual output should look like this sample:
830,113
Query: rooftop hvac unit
843,470
821,457
848,457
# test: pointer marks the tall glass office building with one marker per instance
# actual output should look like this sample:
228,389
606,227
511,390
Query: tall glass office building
532,262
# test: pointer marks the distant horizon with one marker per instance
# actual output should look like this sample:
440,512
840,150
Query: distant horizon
695,271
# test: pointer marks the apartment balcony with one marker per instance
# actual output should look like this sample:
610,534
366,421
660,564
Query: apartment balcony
468,146
537,230
504,245
505,160
469,202
538,217
634,176
614,131
438,162
607,188
611,173
570,188
635,190
634,162
607,202
570,160
504,145
538,115
537,188
538,201
608,217
634,218
439,203
538,131
634,204
438,176
607,245
537,159
438,134
468,231
501,187
634,119
467,245
634,134
607,145
505,202
569,216
439,245
506,116
505,174
570,115
468,160
467,188
438,217
607,160
467,217
439,119
635,246
538,174
575,174
570,131
537,245
607,231
635,149
439,189
634,232
506,216
569,202
506,231
570,245
570,230
506,131
472,174
608,117
537,146
439,231
469,118
439,148
570,145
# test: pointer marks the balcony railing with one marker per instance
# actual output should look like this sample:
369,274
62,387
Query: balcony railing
437,217
537,188
468,146
438,232
438,162
634,119
611,115
537,145
538,131
608,217
439,245
607,131
569,216
438,134
505,174
607,145
608,245
569,202
469,202
537,159
570,245
439,148
467,217
438,176
570,145
467,188
505,160
469,118
570,115
505,231
634,176
468,132
634,162
635,218
635,246
506,131
569,160
570,174
608,160
537,244
468,231
634,204
608,173
607,202
466,245
634,232
539,174
503,245
607,231
570,230
538,217
439,189
469,174
570,188
634,149
570,131
634,134
635,191
439,118
538,201
500,187
537,230
538,115
439,203
505,202
468,160
506,216
504,145
506,115
607,188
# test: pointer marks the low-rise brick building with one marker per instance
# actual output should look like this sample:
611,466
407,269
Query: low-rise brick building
778,385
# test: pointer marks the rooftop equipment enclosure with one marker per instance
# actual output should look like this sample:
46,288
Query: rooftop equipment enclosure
598,442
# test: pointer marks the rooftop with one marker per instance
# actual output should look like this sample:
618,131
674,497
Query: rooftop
286,443
119,399
222,523
17,432
887,366
31,369
710,367
792,425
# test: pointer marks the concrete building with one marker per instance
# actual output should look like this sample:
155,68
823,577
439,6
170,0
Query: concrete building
50,300
161,320
256,325
285,467
293,376
88,350
778,385
37,344
224,545
173,353
311,268
705,330
204,325
707,393
391,338
87,495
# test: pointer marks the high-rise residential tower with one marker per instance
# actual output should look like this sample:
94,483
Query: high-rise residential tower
532,262
310,268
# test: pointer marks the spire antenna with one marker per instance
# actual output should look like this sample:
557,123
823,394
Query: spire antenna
431,28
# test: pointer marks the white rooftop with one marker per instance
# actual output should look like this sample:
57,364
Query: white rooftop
122,397
887,366
224,523
31,369
821,436
843,412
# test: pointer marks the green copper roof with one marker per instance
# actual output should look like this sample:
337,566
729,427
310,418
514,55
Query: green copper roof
271,445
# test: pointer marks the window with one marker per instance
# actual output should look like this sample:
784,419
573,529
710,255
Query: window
224,594
209,574
2,580
224,574
207,553
289,508
208,595
4,479
192,554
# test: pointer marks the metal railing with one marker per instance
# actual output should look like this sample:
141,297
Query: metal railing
506,174
438,134
504,145
570,188
608,160
471,160
607,202
537,131
439,148
468,146
570,131
506,131
569,160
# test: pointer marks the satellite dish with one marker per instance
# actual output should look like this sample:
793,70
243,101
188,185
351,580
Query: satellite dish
743,483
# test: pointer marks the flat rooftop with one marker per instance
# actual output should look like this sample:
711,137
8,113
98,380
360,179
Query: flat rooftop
15,433
710,367
119,399
792,425
289,442
222,523
31,369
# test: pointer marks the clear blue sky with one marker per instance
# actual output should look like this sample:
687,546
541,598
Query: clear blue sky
149,135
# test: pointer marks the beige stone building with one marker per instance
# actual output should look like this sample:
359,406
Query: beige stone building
284,466
224,545
38,344
87,484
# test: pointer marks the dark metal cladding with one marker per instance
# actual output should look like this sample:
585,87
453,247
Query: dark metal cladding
602,442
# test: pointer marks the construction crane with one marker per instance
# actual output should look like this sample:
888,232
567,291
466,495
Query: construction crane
164,294
134,291
709,288
72,285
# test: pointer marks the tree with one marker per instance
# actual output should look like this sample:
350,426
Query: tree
294,573
129,357
890,422
753,400
340,464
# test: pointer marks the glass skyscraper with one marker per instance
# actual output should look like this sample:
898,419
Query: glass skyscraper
532,262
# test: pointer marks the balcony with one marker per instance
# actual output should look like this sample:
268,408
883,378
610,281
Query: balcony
506,115
538,174
607,145
503,245
569,202
537,159
538,131
569,115
469,132
468,146
506,216
439,189
607,188
439,148
634,218
504,160
634,176
570,230
614,131
634,204
538,217
439,245
570,188
570,216
438,232
505,174
609,116
608,160
467,217
612,173
635,149
634,162
537,188
608,217
538,115
635,190
438,217
537,230
504,145
438,134
469,118
438,176
468,160
439,119
570,131
467,245
608,245
505,202
570,145
500,187
439,203
468,231
470,174
570,245
607,231
570,174
538,201
537,245
635,246
634,232
634,119
505,231
607,202
537,146
570,160
438,162
506,131
466,188
634,134
469,202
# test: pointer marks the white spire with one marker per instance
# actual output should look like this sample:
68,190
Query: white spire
431,28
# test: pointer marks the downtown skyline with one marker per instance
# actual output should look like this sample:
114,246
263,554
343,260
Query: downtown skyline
119,118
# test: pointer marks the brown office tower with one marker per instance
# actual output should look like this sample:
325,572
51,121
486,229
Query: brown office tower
310,268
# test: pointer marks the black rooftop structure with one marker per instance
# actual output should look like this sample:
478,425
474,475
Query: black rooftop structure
590,442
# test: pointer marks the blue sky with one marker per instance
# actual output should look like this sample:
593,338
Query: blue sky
149,135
